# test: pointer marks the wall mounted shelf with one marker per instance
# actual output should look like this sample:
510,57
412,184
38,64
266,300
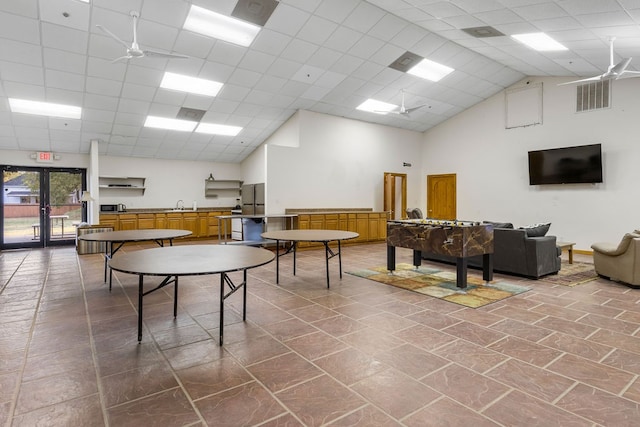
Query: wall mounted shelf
123,183
222,187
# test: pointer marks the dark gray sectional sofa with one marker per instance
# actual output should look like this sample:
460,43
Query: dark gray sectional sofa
516,253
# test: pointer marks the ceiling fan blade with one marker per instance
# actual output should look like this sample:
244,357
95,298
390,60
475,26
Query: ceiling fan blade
590,79
163,54
113,36
627,74
621,66
126,57
611,40
409,110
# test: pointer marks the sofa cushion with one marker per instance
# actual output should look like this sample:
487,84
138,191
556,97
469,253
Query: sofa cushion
499,224
537,230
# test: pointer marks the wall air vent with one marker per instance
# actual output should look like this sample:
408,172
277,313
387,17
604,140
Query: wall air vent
190,114
593,96
256,12
482,32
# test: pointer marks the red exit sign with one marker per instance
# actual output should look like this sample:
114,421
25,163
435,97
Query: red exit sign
44,157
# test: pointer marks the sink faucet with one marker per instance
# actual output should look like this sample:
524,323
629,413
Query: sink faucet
180,205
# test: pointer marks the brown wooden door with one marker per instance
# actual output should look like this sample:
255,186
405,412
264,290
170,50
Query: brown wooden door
441,196
391,196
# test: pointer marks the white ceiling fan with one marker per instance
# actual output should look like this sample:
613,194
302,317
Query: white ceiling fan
134,50
614,72
403,111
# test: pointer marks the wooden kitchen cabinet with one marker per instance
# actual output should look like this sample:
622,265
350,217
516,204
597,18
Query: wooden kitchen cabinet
215,226
317,221
362,227
203,225
160,220
127,221
331,222
109,221
174,221
190,222
371,226
146,221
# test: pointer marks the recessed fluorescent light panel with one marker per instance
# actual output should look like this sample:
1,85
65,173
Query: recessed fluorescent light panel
430,70
171,124
44,108
221,27
378,107
539,41
190,84
214,129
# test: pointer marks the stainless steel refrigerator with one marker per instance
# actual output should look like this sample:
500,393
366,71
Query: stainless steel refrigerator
253,199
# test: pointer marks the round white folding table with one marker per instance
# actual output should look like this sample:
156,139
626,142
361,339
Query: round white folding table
322,236
192,260
120,237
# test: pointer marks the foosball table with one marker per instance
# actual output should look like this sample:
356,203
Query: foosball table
459,240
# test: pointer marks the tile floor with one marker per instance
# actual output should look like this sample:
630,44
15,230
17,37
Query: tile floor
359,354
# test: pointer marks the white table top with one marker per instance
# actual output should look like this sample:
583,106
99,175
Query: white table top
309,235
191,260
134,235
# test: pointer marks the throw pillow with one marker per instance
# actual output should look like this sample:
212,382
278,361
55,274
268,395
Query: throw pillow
537,230
499,224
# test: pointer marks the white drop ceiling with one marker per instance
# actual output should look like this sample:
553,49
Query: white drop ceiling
326,56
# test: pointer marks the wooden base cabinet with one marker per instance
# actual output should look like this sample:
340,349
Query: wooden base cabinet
371,226
201,224
128,221
146,221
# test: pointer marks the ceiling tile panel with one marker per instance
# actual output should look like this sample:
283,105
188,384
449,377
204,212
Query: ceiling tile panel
28,8
364,17
22,53
583,7
64,38
299,50
12,72
271,42
319,55
64,61
317,30
63,80
32,144
19,28
72,14
99,86
287,20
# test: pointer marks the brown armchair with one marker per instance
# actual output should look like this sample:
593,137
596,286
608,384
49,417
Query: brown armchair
619,262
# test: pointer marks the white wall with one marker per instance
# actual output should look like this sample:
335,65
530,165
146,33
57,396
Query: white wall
254,167
22,158
338,163
167,181
492,167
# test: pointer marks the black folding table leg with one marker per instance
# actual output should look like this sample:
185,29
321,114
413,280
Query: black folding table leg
140,297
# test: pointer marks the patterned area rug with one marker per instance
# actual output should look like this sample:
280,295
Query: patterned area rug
572,274
442,284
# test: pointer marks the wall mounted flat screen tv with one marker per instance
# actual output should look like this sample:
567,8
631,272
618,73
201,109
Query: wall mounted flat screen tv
567,165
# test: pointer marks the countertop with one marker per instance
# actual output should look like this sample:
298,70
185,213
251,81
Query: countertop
168,210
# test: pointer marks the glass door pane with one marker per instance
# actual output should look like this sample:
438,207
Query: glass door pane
63,206
21,214
40,206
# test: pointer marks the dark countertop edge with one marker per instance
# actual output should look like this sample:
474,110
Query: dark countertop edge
152,210
328,210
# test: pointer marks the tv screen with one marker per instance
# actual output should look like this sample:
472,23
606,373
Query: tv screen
568,165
